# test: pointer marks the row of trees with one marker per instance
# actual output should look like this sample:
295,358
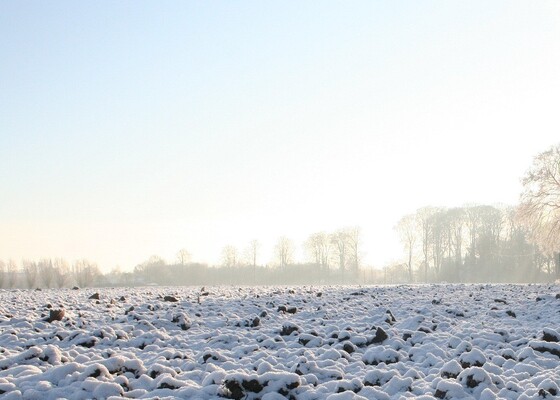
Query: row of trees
48,273
329,257
474,243
487,243
339,249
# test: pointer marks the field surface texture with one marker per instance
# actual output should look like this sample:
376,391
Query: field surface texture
271,343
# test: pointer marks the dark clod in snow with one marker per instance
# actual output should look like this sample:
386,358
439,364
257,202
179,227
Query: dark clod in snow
472,377
546,347
289,328
511,314
167,385
55,315
440,394
557,296
291,310
87,343
172,299
282,309
252,386
473,358
391,317
256,322
208,356
550,335
548,389
380,336
319,294
263,314
234,390
94,296
451,370
501,301
349,347
75,288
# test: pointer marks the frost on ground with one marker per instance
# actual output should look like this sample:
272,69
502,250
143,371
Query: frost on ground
427,342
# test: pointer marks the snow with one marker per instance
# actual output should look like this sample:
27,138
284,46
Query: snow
272,343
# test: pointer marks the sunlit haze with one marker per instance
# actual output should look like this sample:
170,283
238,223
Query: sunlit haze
129,129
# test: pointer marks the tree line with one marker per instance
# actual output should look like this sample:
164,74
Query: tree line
48,273
472,243
479,243
329,258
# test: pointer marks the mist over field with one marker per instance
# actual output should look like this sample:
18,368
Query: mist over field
280,201
215,128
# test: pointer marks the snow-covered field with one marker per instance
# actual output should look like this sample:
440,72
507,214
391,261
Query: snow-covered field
439,341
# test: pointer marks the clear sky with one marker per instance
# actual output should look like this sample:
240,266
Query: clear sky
134,128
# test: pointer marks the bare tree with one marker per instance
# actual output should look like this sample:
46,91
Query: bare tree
30,272
407,227
152,270
46,271
183,256
11,274
354,235
284,251
314,247
2,273
437,223
230,256
85,272
61,272
319,249
456,218
425,222
539,210
340,241
252,252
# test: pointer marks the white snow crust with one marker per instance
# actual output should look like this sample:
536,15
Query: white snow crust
309,342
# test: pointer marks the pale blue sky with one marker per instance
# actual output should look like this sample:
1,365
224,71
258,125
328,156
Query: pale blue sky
136,128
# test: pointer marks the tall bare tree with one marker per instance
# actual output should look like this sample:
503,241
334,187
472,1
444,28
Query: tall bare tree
230,256
85,273
424,216
318,248
456,219
183,256
252,252
30,272
284,251
539,210
46,271
11,274
61,272
354,235
408,227
2,273
438,235
340,241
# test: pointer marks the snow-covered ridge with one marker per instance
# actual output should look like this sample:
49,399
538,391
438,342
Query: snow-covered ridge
438,341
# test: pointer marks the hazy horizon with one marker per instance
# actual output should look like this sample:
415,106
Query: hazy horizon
133,129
